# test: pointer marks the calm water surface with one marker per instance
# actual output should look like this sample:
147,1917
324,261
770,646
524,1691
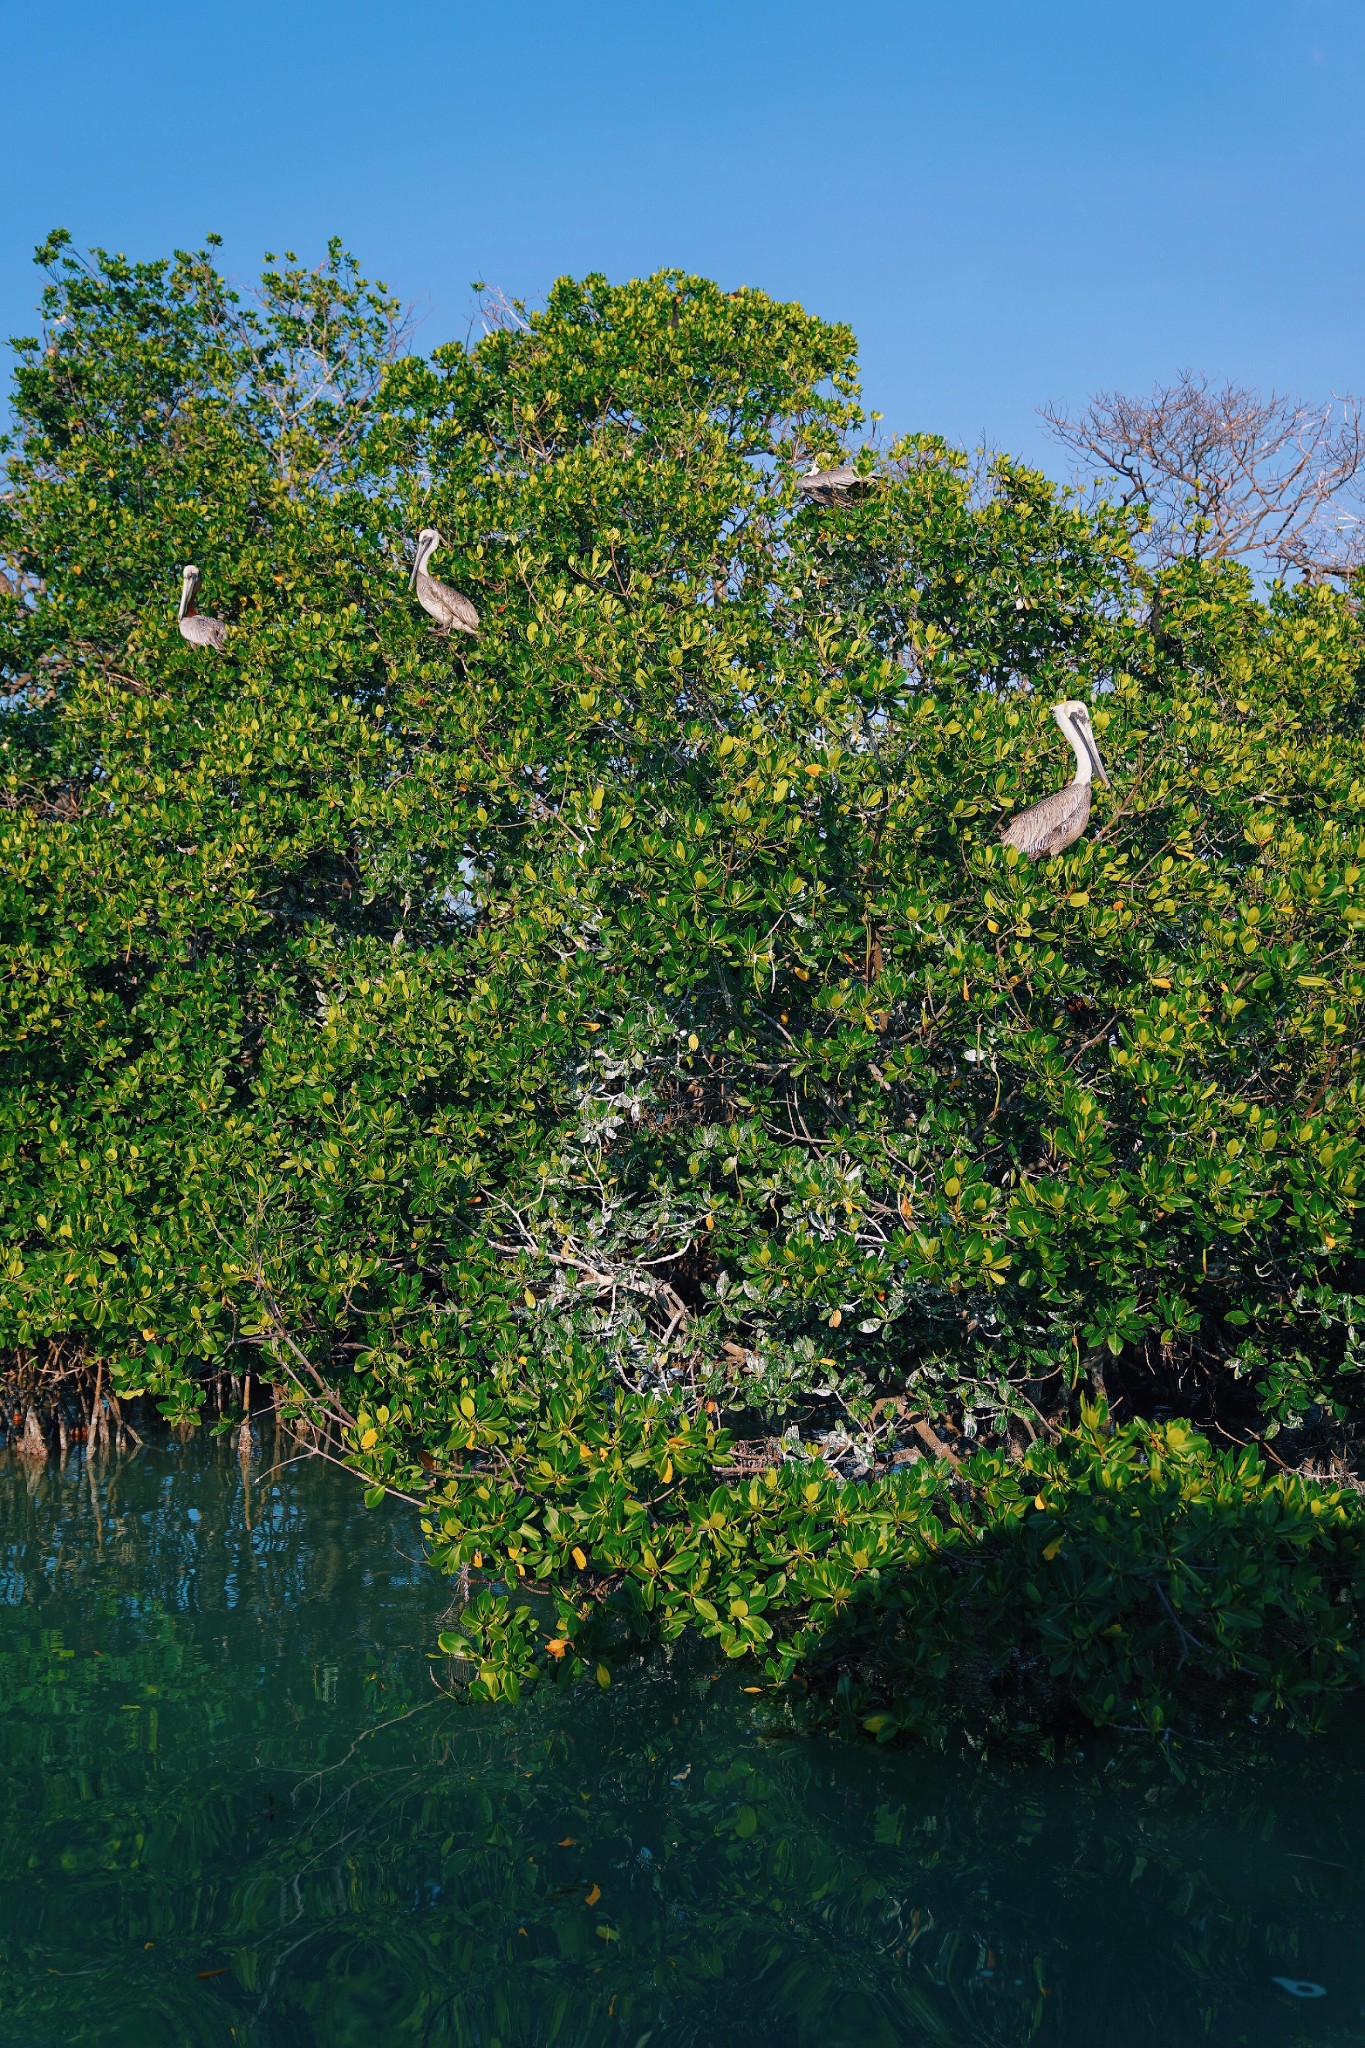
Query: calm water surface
235,1807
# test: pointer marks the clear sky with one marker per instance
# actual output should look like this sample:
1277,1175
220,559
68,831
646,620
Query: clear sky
1010,200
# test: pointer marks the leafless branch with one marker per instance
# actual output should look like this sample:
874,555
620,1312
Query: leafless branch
1225,471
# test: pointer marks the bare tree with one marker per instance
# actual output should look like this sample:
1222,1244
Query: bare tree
1225,471
496,312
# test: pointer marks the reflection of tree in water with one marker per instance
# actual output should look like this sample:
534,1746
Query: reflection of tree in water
224,1740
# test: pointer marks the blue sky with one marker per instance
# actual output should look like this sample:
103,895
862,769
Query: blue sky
1010,202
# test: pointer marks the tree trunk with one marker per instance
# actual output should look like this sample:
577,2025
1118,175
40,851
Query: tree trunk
95,1420
32,1444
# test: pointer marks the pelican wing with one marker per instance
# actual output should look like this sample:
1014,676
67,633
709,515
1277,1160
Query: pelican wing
832,486
202,632
1049,827
462,613
450,610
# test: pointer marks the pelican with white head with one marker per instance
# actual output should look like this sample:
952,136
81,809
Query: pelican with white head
452,612
199,631
1049,827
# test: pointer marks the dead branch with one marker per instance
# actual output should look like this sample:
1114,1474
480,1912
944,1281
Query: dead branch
1225,471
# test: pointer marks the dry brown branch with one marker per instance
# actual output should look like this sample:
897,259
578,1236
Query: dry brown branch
1226,471
930,1436
274,1336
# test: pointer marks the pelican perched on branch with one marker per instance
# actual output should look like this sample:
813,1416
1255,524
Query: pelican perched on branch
199,631
834,486
1055,823
450,611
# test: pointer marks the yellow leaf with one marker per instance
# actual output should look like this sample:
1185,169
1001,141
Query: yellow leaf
692,1041
369,1440
529,1299
836,1319
568,1842
593,1896
603,1676
668,1470
557,1645
1052,1549
579,1559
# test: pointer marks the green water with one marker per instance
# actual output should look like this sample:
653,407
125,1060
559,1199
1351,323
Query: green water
234,1806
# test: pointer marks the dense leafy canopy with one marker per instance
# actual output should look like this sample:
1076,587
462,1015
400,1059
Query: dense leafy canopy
605,1059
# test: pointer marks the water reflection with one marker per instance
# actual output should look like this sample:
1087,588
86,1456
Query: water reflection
236,1807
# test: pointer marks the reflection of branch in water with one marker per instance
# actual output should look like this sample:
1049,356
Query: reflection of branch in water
113,1962
333,1852
363,1736
374,1812
374,1807
94,1500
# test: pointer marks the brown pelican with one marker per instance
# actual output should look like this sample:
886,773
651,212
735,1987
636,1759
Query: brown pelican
1052,825
834,486
199,631
450,611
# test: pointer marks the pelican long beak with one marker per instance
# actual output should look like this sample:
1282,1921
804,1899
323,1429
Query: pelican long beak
1088,742
426,548
189,583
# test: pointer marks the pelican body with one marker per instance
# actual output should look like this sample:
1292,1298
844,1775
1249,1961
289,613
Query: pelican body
1049,827
451,612
199,631
834,486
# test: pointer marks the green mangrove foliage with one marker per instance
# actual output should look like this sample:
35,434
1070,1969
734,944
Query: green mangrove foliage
609,1068
1019,1597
